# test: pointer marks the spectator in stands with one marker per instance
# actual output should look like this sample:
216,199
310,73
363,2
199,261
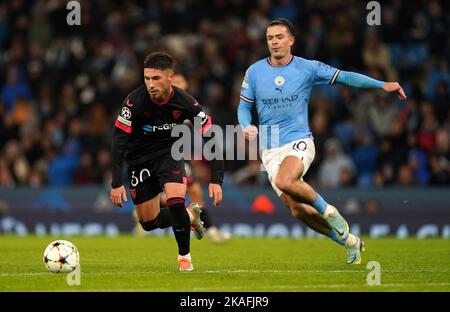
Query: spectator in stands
364,158
334,162
405,176
15,87
383,114
426,135
439,161
377,55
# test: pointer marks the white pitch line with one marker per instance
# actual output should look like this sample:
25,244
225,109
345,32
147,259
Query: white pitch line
264,288
236,271
321,286
323,271
24,274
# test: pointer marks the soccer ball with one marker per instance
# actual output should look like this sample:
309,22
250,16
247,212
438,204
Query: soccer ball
61,256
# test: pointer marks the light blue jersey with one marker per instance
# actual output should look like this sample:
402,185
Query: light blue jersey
281,94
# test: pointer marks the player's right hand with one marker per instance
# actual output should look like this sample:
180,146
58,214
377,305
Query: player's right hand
117,194
250,132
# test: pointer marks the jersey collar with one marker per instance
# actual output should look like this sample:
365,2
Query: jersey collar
272,64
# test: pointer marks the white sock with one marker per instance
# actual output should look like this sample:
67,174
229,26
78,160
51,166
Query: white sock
329,210
351,240
188,256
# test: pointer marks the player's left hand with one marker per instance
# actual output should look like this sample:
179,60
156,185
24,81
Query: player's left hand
215,190
395,87
250,132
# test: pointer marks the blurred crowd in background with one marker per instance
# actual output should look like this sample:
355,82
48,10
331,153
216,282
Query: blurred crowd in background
61,86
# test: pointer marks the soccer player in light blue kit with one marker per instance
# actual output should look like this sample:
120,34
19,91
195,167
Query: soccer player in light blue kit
280,87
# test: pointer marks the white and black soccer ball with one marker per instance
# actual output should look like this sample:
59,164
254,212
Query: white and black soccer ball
61,256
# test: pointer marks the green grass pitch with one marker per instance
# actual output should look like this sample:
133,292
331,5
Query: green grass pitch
127,263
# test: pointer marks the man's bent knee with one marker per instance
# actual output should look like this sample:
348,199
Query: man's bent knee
149,225
283,184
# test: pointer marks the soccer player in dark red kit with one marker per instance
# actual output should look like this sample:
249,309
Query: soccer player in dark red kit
142,137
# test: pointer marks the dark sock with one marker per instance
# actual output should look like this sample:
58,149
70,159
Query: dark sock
181,224
165,218
206,218
162,221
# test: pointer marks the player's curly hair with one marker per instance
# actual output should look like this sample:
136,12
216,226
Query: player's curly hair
159,60
283,22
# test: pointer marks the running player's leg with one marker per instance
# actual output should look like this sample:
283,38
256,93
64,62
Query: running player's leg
309,216
172,176
195,193
151,216
305,214
288,164
289,181
176,193
204,223
194,214
303,151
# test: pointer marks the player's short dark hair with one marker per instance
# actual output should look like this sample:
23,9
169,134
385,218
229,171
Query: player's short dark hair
158,60
283,22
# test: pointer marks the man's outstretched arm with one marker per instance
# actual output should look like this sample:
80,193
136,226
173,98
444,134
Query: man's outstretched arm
361,81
